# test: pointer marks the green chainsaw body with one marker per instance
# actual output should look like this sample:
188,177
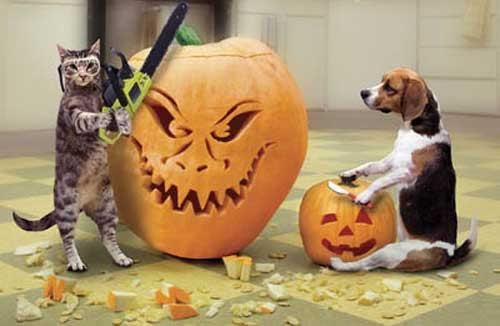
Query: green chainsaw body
127,88
135,89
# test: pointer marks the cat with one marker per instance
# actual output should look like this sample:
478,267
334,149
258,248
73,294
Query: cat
82,180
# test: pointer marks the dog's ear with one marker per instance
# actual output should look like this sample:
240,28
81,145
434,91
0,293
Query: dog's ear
415,99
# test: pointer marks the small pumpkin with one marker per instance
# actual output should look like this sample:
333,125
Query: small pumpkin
332,225
214,149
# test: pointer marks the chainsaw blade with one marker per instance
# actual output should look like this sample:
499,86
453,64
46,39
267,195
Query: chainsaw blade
164,40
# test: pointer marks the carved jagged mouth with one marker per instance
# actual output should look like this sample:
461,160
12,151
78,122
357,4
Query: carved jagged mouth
164,192
356,251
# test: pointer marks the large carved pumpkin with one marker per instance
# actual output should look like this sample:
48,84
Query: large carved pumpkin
214,150
332,225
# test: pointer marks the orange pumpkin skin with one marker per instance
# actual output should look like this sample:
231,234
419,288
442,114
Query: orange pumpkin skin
214,150
332,225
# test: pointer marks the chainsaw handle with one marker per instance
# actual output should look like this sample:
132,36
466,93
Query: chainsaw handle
115,83
109,137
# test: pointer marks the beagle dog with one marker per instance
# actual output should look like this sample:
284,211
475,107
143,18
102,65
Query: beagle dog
421,166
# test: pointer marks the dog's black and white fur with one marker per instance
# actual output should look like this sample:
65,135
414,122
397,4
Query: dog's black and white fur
421,166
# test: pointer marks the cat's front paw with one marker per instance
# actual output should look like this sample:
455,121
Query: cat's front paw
124,261
103,120
76,266
123,122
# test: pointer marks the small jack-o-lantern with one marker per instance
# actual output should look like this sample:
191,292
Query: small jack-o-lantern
214,150
332,225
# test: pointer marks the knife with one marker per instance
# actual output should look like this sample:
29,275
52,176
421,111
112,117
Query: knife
339,190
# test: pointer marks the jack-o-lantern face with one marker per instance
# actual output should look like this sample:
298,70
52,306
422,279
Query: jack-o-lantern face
215,148
331,225
362,225
197,170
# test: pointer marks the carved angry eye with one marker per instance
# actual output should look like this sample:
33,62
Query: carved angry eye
363,217
170,124
234,121
167,122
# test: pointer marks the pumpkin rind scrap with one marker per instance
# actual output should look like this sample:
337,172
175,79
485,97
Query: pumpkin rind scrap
214,150
332,225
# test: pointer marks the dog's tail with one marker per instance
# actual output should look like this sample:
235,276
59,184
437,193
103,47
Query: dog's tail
38,225
466,247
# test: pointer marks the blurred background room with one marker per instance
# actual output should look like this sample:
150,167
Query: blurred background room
333,49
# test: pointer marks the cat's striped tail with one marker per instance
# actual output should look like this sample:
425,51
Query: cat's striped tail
37,225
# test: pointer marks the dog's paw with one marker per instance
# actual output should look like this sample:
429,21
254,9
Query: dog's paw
76,266
364,197
337,263
341,266
349,176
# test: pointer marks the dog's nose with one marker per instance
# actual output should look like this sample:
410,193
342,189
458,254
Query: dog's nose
365,93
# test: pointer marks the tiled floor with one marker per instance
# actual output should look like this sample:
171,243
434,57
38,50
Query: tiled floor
26,183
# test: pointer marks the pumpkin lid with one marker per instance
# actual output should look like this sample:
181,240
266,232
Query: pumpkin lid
233,47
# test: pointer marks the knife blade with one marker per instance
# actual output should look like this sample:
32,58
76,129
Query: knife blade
339,190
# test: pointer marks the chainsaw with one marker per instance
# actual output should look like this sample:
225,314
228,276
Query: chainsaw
126,88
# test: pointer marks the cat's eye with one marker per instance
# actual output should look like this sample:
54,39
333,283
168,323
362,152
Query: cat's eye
92,67
70,69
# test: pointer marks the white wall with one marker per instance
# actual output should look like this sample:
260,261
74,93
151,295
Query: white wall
3,28
366,38
298,33
497,29
29,32
463,73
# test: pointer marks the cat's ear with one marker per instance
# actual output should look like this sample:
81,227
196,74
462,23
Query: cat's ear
62,51
96,47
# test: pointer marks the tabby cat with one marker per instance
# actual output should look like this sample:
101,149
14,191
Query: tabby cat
82,180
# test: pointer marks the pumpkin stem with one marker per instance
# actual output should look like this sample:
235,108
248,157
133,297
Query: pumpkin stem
186,35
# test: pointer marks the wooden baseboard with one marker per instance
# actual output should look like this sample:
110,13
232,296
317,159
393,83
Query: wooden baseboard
16,143
488,126
43,141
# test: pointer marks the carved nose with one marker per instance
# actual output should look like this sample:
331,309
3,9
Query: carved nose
179,164
201,167
346,231
364,93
